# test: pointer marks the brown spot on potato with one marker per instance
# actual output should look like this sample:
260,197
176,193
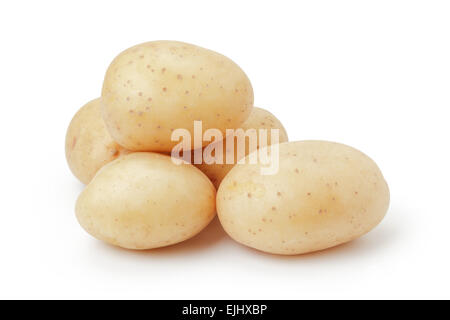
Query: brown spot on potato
115,152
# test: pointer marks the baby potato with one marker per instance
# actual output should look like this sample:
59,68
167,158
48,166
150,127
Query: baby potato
259,119
89,146
155,87
144,201
324,194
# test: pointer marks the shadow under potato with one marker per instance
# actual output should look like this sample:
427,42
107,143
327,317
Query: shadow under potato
378,239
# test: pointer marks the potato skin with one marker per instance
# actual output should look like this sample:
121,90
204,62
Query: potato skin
155,87
259,119
324,194
144,201
89,146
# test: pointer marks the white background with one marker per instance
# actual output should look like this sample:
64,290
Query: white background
371,74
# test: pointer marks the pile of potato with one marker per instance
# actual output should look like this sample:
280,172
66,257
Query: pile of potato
136,197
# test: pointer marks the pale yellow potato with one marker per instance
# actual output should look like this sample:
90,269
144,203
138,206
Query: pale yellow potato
89,146
259,119
323,195
143,200
155,87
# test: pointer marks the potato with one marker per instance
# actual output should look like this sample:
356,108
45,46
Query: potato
324,194
155,87
144,201
258,119
89,146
